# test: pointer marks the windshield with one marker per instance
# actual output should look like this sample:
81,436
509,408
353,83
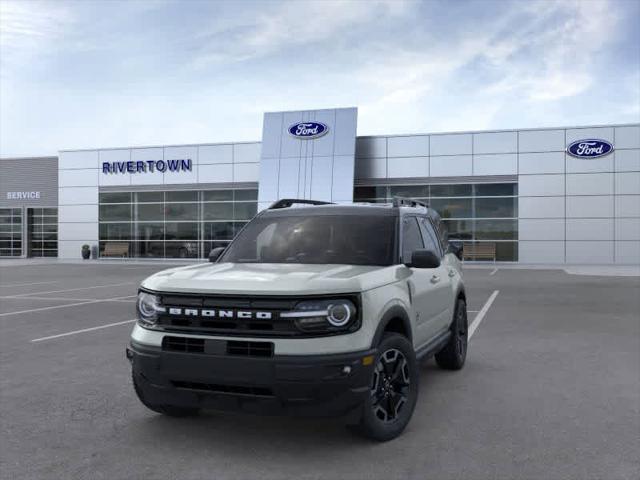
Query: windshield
342,239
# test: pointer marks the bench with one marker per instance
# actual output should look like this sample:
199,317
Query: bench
116,250
479,251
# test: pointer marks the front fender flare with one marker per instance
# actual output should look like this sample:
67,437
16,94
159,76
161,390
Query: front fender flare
395,311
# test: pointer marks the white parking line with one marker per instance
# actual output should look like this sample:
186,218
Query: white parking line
81,331
118,299
66,305
493,272
74,289
24,284
476,322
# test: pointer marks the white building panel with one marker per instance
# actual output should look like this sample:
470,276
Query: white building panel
344,132
291,146
77,178
541,207
627,205
215,154
78,196
541,229
540,252
371,168
541,185
627,228
628,183
590,206
371,147
271,135
120,155
545,162
78,231
588,165
541,141
495,142
343,177
628,137
452,144
451,166
501,164
404,167
323,146
78,159
246,153
77,213
590,184
589,253
589,229
145,178
246,172
628,252
321,178
627,160
215,173
601,133
180,176
409,146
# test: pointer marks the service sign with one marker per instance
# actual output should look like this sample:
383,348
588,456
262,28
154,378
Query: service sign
308,130
589,148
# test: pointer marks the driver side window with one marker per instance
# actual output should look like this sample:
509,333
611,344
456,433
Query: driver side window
411,238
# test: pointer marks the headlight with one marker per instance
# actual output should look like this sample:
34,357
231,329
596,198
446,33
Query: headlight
148,308
324,316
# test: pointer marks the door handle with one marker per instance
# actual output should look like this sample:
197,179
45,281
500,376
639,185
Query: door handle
435,279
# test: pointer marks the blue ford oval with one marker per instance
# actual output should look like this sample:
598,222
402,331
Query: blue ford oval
308,130
589,148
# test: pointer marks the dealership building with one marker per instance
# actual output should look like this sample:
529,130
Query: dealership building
544,195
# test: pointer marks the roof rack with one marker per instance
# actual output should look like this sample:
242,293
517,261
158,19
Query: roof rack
408,202
288,202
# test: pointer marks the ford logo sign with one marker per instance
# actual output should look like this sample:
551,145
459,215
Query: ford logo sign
590,148
308,130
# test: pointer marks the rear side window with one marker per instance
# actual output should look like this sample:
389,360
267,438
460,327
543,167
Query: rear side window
431,240
411,238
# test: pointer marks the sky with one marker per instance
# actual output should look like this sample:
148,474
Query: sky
86,74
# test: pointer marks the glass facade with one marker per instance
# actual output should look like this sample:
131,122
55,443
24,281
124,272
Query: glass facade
173,224
42,228
10,232
473,212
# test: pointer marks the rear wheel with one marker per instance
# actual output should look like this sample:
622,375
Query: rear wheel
393,390
169,410
454,353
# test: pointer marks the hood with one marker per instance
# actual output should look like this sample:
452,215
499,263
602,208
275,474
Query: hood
271,278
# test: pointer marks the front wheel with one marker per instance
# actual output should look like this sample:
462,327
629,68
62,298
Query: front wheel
454,353
393,390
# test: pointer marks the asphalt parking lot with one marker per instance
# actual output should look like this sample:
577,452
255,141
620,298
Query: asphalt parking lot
551,390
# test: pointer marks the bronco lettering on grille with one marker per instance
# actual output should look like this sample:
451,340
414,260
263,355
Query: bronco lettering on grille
212,313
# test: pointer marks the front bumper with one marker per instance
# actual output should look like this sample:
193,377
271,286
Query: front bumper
306,385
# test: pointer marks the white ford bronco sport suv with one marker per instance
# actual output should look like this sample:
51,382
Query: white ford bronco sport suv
321,310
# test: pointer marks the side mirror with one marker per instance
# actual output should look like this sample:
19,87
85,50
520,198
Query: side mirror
215,254
424,259
456,249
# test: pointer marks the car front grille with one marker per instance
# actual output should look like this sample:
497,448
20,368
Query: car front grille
217,347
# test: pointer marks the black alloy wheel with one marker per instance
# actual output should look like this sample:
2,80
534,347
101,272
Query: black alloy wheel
390,388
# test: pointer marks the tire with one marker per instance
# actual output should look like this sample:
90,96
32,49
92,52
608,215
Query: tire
389,407
168,410
454,353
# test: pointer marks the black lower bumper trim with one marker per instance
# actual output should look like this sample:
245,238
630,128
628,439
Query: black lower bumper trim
306,385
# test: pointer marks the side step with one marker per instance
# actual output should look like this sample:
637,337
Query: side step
433,346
